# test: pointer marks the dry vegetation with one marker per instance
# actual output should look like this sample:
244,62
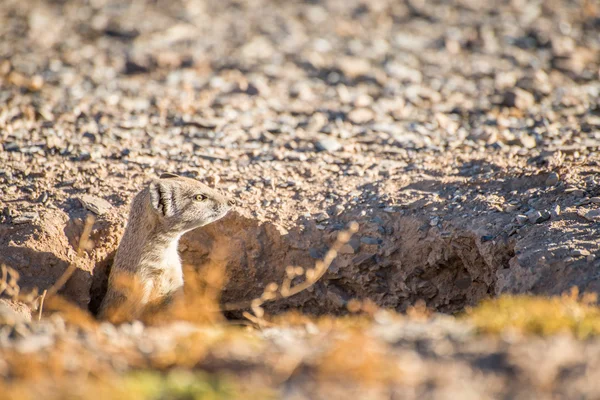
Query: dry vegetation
539,315
191,352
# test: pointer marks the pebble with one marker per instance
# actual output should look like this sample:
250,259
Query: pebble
552,179
339,209
322,217
575,191
528,141
329,145
11,146
84,156
593,215
537,217
580,252
519,98
360,116
25,218
43,198
521,219
95,204
370,240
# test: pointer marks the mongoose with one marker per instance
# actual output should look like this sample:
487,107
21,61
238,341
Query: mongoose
147,255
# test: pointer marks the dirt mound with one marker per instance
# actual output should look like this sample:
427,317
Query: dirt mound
449,258
462,141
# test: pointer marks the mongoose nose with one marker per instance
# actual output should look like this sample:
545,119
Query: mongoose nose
231,202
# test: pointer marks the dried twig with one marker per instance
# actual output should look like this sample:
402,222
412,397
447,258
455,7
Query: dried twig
42,298
274,292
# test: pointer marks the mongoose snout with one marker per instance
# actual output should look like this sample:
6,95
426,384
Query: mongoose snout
160,214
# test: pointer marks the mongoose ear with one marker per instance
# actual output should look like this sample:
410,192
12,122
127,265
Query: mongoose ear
168,175
160,198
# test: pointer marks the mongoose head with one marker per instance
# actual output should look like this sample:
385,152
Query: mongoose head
182,204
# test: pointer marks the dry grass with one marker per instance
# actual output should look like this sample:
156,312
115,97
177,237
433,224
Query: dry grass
139,385
371,365
70,369
569,313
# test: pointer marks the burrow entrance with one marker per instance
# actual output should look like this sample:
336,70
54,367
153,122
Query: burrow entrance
408,261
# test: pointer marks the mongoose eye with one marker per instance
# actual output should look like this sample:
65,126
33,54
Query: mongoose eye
200,197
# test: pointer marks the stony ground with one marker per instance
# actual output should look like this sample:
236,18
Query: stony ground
461,137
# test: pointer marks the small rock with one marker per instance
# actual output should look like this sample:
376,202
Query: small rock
95,204
434,221
43,198
354,67
25,218
518,98
552,179
528,141
521,219
555,211
537,217
11,146
370,240
363,100
580,252
328,144
322,217
593,215
575,191
84,156
595,200
360,116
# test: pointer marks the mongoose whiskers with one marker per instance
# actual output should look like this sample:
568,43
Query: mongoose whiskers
147,255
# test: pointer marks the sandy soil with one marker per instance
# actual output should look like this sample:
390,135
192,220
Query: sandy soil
461,137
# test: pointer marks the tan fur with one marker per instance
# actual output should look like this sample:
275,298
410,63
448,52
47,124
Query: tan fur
147,269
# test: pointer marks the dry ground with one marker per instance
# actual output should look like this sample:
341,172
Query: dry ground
461,137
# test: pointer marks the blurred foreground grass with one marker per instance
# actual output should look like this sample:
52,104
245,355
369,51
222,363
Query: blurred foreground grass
538,315
178,384
220,360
